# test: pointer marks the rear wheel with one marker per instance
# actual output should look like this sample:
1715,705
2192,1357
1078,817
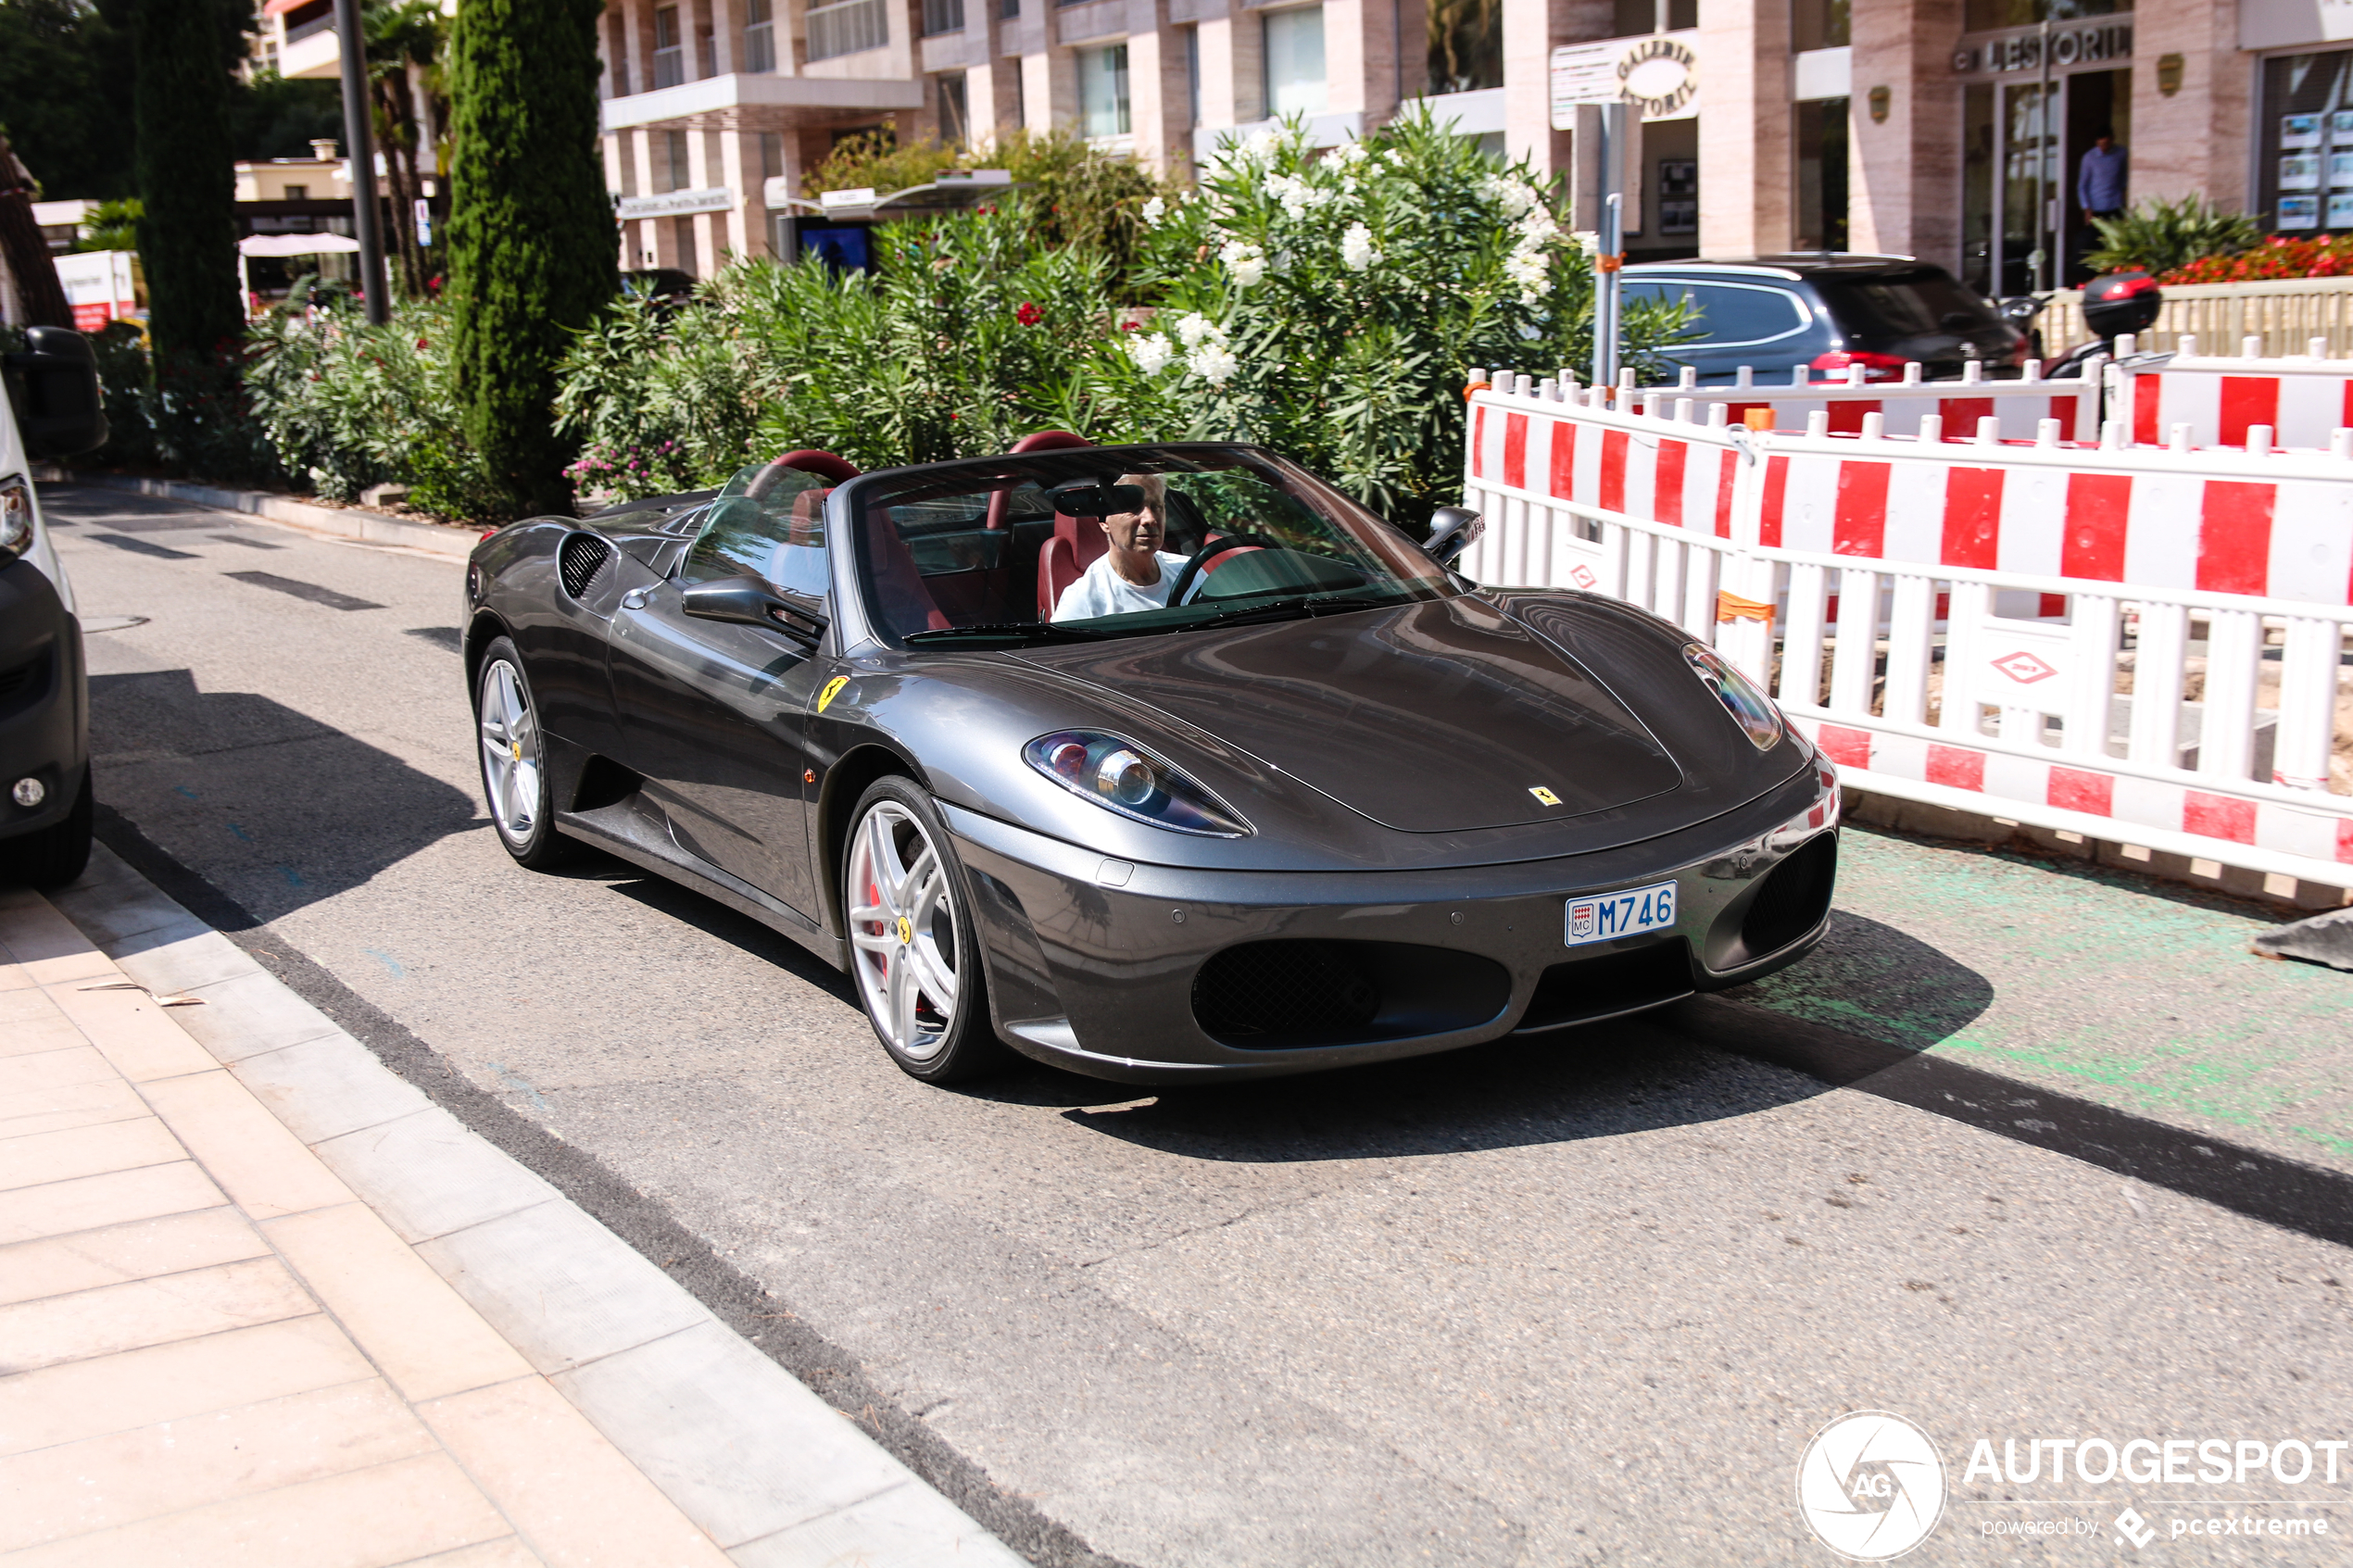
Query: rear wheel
513,753
913,946
56,855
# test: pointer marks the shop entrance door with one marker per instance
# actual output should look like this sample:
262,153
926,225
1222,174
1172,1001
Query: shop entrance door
2020,157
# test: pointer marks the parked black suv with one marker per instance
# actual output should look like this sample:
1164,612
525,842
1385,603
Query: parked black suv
51,410
1828,311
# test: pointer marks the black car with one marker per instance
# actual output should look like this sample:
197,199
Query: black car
1828,311
51,410
1325,802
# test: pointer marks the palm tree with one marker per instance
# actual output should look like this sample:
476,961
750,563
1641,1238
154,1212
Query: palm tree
405,39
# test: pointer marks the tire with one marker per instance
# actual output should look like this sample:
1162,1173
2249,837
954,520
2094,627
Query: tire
907,909
54,856
512,752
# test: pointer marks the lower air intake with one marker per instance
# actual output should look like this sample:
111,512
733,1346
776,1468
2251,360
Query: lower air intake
1312,992
1795,897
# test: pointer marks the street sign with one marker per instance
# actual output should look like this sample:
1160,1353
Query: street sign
1657,73
676,203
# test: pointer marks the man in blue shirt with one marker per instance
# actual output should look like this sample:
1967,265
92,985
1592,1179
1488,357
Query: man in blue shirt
2099,183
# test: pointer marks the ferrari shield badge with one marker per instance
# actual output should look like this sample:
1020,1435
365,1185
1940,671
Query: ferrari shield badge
1543,797
832,690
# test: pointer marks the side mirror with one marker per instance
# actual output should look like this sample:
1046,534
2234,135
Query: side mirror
53,385
1453,530
746,601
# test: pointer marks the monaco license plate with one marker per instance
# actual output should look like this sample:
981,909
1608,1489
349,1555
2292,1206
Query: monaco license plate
1606,916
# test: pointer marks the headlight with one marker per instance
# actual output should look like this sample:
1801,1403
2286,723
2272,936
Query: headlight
1759,718
16,518
1121,776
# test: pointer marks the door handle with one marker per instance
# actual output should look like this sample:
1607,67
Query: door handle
634,599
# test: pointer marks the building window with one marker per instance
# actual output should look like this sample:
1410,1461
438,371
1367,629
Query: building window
670,52
846,28
682,231
760,35
1009,9
1103,91
297,193
1192,73
2305,178
1466,45
1295,61
955,109
943,16
1821,24
673,171
772,154
1819,218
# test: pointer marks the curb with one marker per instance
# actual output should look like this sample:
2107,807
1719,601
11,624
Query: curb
336,523
768,1468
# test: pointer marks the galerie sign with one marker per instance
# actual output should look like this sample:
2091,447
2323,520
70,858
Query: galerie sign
676,203
1657,73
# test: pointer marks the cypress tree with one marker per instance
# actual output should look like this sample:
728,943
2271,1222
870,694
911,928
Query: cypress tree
186,179
532,242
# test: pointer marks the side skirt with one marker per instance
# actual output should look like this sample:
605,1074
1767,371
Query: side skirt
636,831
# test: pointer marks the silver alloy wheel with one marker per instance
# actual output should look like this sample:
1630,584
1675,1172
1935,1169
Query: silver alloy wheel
903,931
510,753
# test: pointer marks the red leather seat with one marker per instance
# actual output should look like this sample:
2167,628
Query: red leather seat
1077,541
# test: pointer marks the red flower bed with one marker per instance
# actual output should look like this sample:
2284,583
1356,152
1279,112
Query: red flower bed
2279,258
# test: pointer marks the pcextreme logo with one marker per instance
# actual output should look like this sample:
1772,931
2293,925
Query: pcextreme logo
1870,1485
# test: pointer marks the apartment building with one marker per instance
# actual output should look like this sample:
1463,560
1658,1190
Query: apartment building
1954,130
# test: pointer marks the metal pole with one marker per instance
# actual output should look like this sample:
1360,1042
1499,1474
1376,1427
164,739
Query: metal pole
2043,152
1613,241
360,142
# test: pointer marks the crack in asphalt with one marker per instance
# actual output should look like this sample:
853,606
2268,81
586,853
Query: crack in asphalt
736,1299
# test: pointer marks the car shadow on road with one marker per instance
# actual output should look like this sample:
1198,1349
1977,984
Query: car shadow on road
1636,1074
271,807
716,920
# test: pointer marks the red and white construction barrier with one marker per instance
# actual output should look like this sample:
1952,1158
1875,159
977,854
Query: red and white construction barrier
2071,635
2196,400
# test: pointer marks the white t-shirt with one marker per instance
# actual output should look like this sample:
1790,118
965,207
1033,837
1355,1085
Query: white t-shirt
1101,591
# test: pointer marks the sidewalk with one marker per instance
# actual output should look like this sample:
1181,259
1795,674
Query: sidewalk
212,1350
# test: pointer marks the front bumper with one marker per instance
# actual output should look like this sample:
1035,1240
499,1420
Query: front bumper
44,705
1097,974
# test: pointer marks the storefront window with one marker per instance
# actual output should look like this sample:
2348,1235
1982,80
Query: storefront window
1466,45
1984,14
1103,91
1820,24
1977,187
1295,61
2306,133
1820,217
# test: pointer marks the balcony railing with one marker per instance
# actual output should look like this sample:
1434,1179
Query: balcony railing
323,21
846,28
943,16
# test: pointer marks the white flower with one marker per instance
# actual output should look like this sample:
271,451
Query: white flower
1528,269
1296,195
1196,328
1356,248
1350,152
1515,196
1152,353
1246,261
1154,210
1212,362
1538,227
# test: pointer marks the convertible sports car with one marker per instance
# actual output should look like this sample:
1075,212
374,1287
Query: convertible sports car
1316,800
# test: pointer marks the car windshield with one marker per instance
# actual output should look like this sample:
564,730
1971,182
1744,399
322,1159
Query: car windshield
1117,542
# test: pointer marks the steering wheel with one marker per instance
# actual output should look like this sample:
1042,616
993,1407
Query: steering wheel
1207,552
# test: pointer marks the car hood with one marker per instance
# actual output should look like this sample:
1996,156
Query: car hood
1443,716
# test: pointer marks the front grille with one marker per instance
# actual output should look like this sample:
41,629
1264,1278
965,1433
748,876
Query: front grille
1584,989
1291,989
1795,897
1308,991
25,683
578,561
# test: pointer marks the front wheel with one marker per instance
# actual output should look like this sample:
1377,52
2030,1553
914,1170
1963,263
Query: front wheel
913,946
513,754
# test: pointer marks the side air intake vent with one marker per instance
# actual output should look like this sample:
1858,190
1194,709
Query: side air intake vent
578,561
1795,897
1313,992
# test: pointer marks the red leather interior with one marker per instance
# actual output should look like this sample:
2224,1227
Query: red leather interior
906,603
809,517
1077,544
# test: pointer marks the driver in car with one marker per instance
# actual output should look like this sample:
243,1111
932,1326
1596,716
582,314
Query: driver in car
1135,573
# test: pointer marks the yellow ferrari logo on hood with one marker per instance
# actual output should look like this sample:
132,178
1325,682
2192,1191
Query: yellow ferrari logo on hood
832,690
1545,796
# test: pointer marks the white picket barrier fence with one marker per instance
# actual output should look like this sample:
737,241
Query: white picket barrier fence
2018,406
2004,628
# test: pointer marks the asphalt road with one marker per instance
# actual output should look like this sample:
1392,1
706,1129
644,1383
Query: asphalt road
1577,1302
